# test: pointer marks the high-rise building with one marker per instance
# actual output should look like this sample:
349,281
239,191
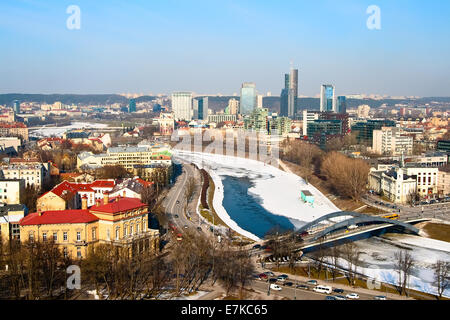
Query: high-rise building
392,141
182,105
259,101
16,106
132,106
233,106
328,98
289,95
201,108
341,104
248,98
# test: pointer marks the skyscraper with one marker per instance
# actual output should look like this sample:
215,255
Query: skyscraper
201,108
341,104
327,98
233,106
132,106
16,106
289,95
182,105
248,98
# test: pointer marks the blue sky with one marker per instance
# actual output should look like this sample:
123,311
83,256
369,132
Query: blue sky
213,46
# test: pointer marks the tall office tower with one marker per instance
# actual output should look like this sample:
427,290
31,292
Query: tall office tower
201,108
233,106
132,106
327,98
182,105
289,95
341,104
16,106
259,101
248,98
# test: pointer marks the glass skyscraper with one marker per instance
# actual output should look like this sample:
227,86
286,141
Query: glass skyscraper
341,104
248,98
201,108
16,106
132,106
289,95
327,98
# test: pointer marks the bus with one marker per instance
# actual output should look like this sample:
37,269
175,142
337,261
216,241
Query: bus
393,216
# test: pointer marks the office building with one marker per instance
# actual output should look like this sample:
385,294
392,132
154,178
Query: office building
328,98
132,106
391,141
364,129
341,104
182,105
259,101
308,116
201,108
257,121
289,95
248,98
218,118
16,106
363,111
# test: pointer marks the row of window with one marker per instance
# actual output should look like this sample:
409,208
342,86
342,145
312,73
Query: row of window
54,235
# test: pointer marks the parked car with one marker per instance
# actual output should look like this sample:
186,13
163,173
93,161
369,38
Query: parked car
330,298
176,216
380,298
302,286
288,284
337,290
352,296
339,297
312,282
284,276
281,279
275,287
269,273
273,280
433,201
263,276
257,246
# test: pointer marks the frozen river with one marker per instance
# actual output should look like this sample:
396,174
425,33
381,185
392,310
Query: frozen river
45,132
252,198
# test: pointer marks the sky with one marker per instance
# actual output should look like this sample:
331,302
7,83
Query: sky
210,47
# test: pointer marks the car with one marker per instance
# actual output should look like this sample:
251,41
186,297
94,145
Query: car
330,298
281,279
339,297
269,273
380,298
432,201
302,286
185,226
337,290
257,246
289,284
284,276
263,276
176,216
275,287
312,282
352,296
273,280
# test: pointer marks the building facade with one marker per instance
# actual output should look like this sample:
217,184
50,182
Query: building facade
248,98
182,105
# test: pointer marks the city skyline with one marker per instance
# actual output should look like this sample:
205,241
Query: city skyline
136,47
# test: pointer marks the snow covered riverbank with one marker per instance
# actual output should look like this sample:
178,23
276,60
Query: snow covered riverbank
275,190
46,132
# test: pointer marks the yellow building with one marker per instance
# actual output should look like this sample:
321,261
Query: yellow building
119,221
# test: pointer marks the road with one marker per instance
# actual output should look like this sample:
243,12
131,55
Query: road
434,211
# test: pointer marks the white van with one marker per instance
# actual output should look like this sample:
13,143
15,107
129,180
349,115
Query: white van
322,289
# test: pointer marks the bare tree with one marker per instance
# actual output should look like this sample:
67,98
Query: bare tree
351,254
441,276
403,264
335,254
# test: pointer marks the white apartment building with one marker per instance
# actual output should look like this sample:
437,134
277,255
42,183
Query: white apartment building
182,105
391,141
363,111
11,191
33,174
427,180
394,184
308,116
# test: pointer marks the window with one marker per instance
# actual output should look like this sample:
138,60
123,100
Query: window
125,231
78,236
117,233
108,234
65,236
94,234
137,227
79,253
55,236
31,237
131,230
44,236
65,252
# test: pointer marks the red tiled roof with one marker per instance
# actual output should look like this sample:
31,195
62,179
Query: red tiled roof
144,183
103,184
58,217
123,204
12,125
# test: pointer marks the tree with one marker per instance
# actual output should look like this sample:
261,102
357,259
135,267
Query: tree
441,276
403,264
351,254
348,177
335,254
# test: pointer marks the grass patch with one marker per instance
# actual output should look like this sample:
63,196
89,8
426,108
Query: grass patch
438,231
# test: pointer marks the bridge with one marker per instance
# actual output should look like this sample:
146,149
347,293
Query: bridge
354,226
